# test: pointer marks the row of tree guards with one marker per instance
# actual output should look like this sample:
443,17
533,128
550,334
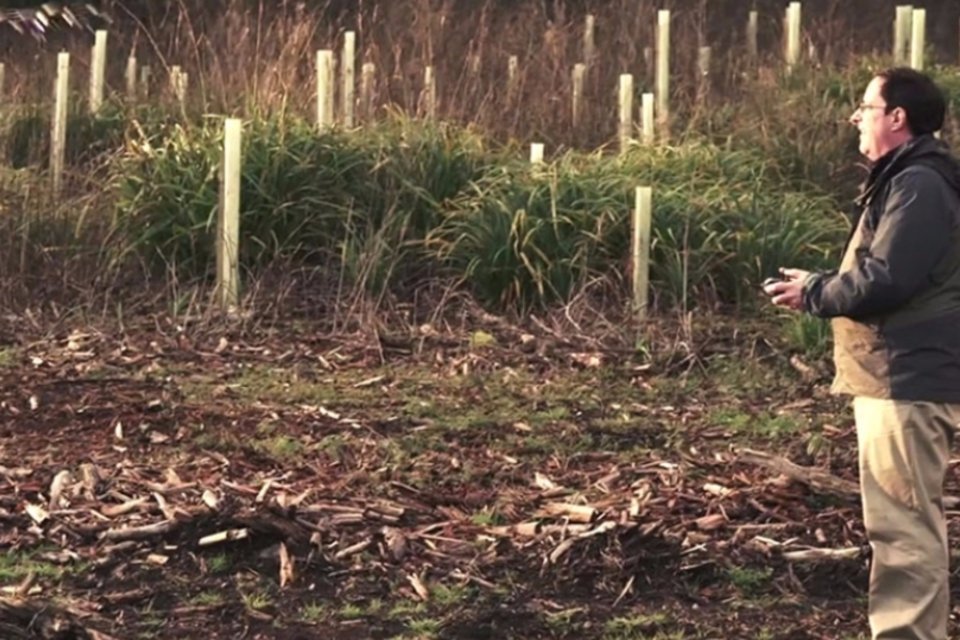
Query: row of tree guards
908,47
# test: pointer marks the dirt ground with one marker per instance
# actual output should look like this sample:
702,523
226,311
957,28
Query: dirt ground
157,483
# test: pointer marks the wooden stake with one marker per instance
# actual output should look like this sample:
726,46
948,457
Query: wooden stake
131,78
367,75
324,89
228,227
640,245
579,71
98,70
901,34
752,30
178,85
793,34
663,69
589,42
918,38
536,153
513,66
3,77
145,73
58,138
626,111
646,118
703,70
348,67
430,93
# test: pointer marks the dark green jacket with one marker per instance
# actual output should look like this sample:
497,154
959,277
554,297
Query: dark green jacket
895,301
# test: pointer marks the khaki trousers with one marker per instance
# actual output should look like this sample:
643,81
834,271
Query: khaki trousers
904,449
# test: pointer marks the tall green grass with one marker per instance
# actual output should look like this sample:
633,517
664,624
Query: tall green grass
408,200
525,237
358,204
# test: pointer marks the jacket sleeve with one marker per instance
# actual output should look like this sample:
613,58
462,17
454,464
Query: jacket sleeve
912,235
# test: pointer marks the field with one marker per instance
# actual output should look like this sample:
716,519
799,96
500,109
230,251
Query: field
434,411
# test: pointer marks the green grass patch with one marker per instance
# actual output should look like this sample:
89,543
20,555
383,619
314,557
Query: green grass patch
206,599
8,357
17,565
756,424
281,448
634,626
751,582
314,612
219,563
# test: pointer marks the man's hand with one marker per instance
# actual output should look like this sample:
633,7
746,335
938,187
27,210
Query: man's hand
789,291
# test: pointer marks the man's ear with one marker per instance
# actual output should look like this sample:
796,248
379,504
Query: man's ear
899,118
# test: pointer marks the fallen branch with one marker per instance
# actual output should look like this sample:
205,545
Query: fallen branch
813,477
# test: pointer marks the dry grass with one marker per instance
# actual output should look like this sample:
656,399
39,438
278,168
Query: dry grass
253,57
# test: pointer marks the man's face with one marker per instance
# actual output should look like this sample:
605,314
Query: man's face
880,131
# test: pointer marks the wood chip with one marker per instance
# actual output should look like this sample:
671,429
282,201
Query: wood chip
210,499
286,566
560,550
361,546
543,481
521,530
229,535
60,483
172,478
37,513
262,494
574,512
18,473
396,543
716,489
89,478
168,512
115,510
369,382
417,583
711,522
814,555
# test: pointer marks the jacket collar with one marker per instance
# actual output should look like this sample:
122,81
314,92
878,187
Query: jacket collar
887,166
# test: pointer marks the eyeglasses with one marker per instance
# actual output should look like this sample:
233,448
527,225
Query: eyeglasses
864,107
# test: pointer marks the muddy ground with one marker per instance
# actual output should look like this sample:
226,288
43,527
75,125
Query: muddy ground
499,482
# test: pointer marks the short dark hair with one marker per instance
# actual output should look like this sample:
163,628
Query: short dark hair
918,95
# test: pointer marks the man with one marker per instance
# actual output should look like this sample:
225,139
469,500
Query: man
895,309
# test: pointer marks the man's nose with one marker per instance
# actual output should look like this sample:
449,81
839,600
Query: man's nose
855,117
